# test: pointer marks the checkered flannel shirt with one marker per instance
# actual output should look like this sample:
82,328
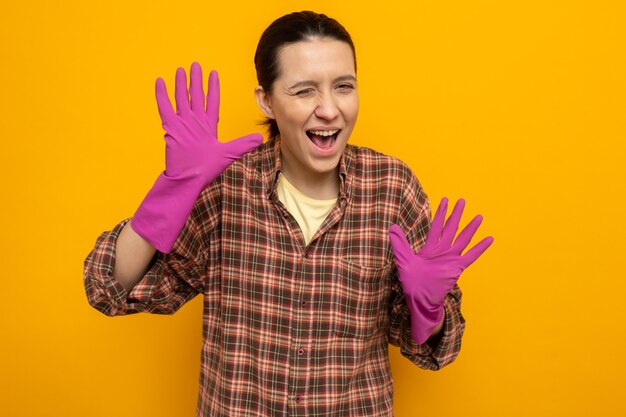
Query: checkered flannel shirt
291,329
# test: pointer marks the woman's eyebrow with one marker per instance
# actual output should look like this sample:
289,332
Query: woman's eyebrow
305,83
345,78
308,83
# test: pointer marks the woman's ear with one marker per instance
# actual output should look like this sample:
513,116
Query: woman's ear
263,101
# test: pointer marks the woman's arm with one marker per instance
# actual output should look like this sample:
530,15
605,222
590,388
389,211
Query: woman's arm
124,273
133,256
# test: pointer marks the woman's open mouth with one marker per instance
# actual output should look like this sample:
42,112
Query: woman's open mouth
323,139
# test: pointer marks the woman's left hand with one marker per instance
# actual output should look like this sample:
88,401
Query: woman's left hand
427,276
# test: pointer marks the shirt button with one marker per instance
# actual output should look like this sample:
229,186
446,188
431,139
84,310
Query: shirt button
298,398
307,255
303,303
300,352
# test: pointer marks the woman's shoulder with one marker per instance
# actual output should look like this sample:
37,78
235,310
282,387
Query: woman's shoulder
374,162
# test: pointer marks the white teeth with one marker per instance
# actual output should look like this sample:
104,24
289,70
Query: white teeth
324,132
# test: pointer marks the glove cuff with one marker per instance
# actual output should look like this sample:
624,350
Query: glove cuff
164,210
424,321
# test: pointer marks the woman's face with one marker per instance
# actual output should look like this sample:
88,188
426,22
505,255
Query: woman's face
315,103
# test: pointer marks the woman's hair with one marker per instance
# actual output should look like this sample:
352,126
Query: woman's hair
288,29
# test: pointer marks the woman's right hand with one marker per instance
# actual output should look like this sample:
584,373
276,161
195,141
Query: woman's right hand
193,157
192,148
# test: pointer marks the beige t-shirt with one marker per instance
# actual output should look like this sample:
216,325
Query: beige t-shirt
308,212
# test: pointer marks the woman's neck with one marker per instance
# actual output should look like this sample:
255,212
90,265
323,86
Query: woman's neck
320,186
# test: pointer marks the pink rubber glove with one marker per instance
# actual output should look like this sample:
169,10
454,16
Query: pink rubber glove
428,276
193,157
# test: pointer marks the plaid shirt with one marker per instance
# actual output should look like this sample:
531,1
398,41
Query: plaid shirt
291,329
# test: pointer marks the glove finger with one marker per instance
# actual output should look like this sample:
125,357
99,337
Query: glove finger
452,224
466,235
181,95
166,111
437,225
213,100
196,91
401,247
236,148
475,252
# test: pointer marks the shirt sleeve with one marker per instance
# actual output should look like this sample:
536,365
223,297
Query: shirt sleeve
443,349
171,280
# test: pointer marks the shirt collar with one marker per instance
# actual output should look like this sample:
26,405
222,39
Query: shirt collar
272,165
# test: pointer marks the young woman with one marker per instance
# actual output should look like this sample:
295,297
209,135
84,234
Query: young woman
312,255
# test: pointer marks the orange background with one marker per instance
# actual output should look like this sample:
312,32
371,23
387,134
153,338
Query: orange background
517,106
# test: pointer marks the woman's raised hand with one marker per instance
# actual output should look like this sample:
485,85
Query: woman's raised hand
193,157
428,275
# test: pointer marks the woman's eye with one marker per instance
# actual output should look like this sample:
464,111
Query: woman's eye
304,92
345,87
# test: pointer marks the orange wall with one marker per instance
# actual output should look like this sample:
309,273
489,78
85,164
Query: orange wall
517,106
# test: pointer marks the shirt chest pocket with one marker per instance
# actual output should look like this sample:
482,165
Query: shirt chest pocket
359,301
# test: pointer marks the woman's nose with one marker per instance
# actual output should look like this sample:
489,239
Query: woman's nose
327,107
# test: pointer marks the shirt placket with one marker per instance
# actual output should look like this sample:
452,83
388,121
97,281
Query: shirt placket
301,343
